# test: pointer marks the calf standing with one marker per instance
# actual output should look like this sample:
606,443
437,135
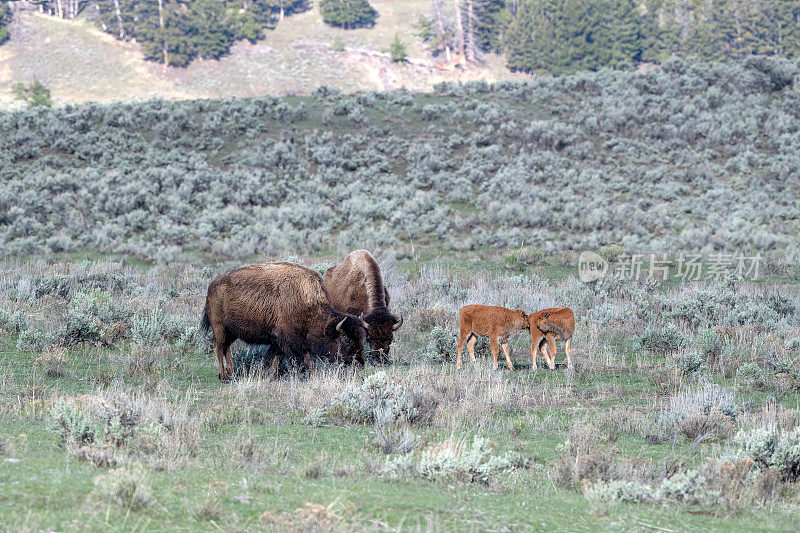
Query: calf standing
549,324
497,323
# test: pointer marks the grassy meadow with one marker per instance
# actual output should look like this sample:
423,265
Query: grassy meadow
683,410
112,416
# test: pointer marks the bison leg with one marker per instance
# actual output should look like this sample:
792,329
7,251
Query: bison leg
508,356
471,347
229,361
221,346
551,347
273,366
536,340
543,349
495,351
568,348
308,359
223,349
459,348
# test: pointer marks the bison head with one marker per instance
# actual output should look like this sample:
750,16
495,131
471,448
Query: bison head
353,329
381,326
535,320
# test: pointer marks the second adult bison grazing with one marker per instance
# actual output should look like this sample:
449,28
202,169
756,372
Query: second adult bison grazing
356,286
276,303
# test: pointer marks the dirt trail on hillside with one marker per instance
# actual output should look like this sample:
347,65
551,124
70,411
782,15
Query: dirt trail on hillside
79,63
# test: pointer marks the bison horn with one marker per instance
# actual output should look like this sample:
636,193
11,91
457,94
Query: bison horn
398,324
340,324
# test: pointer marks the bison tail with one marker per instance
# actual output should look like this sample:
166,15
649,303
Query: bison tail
205,325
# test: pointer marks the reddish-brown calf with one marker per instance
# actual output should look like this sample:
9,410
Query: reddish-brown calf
495,322
549,325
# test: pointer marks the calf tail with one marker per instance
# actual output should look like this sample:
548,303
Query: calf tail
205,326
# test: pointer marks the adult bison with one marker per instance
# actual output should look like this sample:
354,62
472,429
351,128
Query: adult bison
277,303
356,286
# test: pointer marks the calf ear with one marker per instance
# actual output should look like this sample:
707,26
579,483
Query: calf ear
545,314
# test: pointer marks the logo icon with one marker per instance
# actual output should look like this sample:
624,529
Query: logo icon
591,267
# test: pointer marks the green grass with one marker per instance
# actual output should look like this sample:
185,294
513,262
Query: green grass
46,487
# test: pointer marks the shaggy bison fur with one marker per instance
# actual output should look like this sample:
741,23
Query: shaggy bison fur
281,304
356,286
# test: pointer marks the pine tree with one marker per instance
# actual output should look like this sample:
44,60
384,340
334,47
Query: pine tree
659,37
533,41
397,50
491,21
348,14
5,19
288,7
618,38
787,24
165,36
214,32
758,28
36,94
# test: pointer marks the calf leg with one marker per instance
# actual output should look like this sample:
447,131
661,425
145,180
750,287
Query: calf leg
536,339
459,348
495,351
543,350
471,347
551,347
568,348
508,356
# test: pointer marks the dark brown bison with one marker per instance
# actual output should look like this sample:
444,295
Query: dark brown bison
281,304
549,325
495,322
356,286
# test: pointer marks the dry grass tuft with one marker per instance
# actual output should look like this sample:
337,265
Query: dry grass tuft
584,458
713,425
54,362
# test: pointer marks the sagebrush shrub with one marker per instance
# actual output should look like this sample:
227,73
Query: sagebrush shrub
750,375
583,457
603,496
689,362
378,398
708,344
712,425
35,339
525,257
441,345
771,448
448,461
667,339
129,487
689,488
13,322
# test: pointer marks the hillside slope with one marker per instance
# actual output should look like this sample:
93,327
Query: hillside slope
80,63
699,157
